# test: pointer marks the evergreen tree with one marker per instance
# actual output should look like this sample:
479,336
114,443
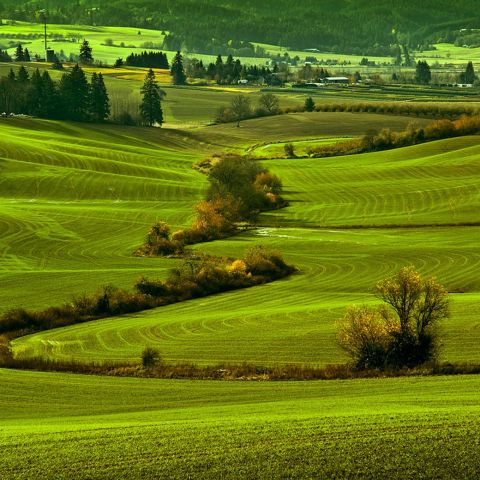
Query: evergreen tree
470,76
219,69
151,106
177,71
118,63
26,56
22,75
423,74
309,104
4,56
50,103
99,101
85,56
74,93
408,60
19,54
35,94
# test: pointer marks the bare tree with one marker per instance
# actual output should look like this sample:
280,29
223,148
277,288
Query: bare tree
241,108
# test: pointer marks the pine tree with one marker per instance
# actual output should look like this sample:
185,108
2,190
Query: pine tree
177,71
422,73
26,56
35,95
309,104
470,76
99,101
19,54
85,56
22,75
4,56
50,104
151,106
74,93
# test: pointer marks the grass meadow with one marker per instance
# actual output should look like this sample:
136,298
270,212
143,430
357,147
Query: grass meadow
76,200
63,427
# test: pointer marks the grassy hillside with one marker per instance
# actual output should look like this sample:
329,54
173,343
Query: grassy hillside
76,202
63,426
64,241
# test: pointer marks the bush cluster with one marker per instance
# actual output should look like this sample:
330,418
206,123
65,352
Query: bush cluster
196,277
202,276
109,301
158,242
240,188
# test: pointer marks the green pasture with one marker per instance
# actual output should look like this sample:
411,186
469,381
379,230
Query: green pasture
76,201
80,427
254,134
75,209
68,38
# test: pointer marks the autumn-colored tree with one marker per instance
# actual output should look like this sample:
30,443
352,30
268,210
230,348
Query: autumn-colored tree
402,331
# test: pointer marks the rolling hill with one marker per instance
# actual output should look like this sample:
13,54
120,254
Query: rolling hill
79,208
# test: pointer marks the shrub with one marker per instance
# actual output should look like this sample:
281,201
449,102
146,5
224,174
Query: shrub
158,243
150,357
267,182
365,336
152,288
289,150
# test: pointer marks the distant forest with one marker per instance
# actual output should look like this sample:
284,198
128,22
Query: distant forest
362,27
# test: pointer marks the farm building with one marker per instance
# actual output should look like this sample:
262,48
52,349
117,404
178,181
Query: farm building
337,80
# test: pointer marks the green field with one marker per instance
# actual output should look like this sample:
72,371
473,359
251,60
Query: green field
75,210
76,200
64,427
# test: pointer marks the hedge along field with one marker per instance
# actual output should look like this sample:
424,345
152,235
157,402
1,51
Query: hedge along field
87,427
293,320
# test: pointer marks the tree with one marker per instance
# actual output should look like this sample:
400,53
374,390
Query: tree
22,75
234,177
402,331
417,302
118,63
151,106
177,71
19,54
99,101
309,104
26,56
85,56
241,108
423,74
270,103
74,93
470,76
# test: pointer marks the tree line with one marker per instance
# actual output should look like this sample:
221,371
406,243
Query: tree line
72,98
146,59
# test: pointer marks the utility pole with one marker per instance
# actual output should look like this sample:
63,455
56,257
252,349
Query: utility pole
43,13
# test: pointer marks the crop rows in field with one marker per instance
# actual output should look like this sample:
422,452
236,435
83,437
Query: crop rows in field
65,426
290,321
